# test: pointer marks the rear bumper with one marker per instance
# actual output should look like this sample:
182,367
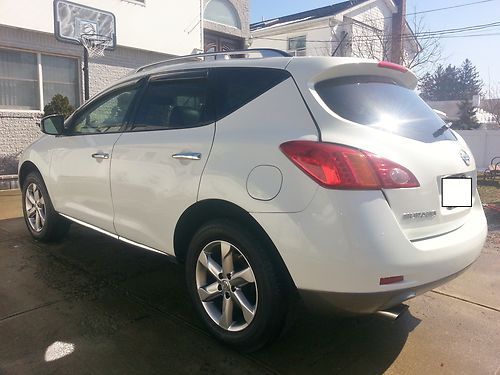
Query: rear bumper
340,246
365,303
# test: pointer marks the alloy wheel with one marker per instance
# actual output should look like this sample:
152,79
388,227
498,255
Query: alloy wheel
226,286
35,207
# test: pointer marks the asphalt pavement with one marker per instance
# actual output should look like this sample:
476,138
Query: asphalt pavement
93,305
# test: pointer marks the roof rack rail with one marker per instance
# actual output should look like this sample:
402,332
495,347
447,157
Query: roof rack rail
264,53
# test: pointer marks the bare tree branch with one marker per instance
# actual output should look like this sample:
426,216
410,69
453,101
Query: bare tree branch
372,39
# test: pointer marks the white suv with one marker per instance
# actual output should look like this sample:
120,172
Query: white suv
270,177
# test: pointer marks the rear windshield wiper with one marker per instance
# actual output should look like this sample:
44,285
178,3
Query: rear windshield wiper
442,129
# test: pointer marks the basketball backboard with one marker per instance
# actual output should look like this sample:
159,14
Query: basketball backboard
71,20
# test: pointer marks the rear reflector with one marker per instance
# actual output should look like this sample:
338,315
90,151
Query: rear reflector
336,166
391,280
393,66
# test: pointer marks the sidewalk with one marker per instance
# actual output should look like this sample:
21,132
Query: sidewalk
10,204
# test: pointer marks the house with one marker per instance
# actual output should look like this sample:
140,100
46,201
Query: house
375,29
35,64
490,109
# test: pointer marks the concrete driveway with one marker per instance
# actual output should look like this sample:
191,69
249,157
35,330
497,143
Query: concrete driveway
92,305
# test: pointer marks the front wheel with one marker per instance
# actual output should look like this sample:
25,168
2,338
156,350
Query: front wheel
235,286
43,222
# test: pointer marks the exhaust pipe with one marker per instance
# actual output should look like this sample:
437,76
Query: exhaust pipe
394,312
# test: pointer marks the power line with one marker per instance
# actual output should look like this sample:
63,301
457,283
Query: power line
450,7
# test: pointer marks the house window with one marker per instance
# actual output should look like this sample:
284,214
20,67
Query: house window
223,12
28,80
297,45
60,76
18,80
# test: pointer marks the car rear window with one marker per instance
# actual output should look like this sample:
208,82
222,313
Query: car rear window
382,104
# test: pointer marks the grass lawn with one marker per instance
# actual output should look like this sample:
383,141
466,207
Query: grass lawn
489,190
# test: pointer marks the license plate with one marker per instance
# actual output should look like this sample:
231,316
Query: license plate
456,192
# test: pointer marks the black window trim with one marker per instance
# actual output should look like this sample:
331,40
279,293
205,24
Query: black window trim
101,98
178,75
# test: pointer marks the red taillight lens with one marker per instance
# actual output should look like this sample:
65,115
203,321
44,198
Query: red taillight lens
340,167
392,175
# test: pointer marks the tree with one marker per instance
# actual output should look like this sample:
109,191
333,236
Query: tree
451,83
441,85
469,83
59,104
372,39
467,118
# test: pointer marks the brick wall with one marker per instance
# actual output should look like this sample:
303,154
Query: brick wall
17,130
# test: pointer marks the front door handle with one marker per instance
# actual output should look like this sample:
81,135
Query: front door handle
100,155
187,155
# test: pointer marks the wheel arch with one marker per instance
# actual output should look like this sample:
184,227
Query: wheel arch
26,168
211,209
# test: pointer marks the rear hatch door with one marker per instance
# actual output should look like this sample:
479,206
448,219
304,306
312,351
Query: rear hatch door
377,114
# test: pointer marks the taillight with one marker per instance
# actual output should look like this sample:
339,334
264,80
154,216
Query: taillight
336,166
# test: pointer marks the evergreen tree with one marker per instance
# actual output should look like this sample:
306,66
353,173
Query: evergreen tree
59,104
467,118
451,83
427,87
441,85
447,87
468,80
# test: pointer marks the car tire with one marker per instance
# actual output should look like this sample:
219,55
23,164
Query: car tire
255,289
43,222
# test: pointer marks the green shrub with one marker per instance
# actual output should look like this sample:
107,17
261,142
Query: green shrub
59,104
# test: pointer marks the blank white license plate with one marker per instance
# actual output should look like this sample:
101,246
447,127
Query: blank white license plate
456,192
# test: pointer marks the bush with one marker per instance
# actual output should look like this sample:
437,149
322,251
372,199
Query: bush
8,164
59,104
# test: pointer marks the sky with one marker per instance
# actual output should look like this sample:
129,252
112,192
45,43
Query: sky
484,51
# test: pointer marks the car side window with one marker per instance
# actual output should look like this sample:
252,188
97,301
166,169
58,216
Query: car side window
173,104
106,115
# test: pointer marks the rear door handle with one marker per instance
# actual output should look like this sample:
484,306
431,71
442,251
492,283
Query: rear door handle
100,155
187,155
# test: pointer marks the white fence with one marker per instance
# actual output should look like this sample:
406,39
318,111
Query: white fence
484,144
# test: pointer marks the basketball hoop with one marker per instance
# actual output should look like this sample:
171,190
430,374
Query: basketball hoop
95,44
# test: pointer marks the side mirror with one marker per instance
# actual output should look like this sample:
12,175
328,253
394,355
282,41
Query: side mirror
53,124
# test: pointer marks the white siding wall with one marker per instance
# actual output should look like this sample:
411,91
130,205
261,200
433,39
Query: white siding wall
369,36
318,35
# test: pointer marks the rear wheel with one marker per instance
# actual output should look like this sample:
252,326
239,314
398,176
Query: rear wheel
235,286
43,222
